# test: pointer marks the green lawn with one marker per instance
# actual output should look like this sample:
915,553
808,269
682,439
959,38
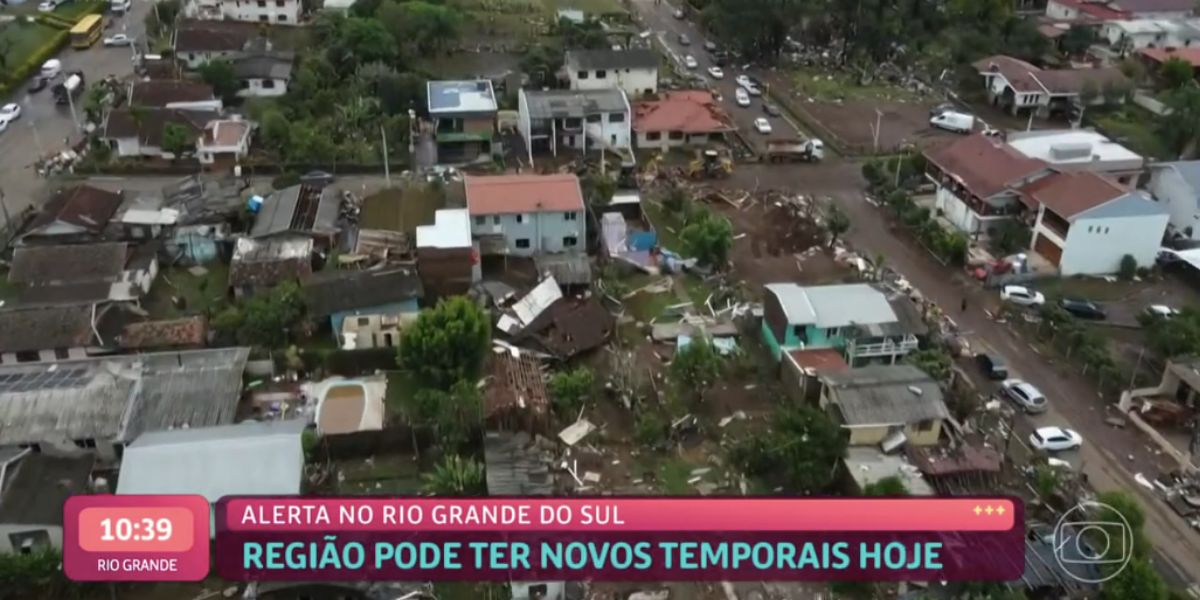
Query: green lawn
200,294
401,209
590,7
666,225
7,290
828,87
1088,288
23,38
389,474
1133,127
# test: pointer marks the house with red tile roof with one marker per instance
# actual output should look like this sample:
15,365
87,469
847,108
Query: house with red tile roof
978,180
683,118
1086,223
526,215
1016,85
1155,57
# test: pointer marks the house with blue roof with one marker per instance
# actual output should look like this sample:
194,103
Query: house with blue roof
365,309
861,321
1176,186
1085,223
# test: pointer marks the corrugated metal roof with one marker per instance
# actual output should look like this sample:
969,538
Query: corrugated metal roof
884,395
514,466
828,306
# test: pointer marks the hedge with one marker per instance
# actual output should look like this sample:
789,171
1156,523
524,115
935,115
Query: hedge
33,64
55,21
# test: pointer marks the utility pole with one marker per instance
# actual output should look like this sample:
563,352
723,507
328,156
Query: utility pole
387,172
878,122
71,104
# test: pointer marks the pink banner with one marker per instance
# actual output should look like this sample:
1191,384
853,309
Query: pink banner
620,514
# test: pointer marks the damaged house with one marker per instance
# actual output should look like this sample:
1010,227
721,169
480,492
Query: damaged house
561,326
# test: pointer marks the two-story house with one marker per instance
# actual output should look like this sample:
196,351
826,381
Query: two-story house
1151,33
525,215
1086,223
254,11
978,179
1016,85
886,405
1176,186
197,42
857,319
1114,10
1079,150
581,120
633,71
464,117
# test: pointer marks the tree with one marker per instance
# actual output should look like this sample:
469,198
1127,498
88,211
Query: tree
696,366
425,27
1181,126
219,74
801,450
1178,336
1089,91
837,222
359,41
266,319
1137,580
1077,39
452,414
1128,268
178,140
1176,73
934,361
161,17
756,28
675,199
569,389
542,62
1134,69
276,131
708,238
447,343
888,486
588,35
598,189
455,476
1010,236
1115,92
1124,508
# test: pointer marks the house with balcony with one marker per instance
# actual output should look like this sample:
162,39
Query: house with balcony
253,11
634,72
1019,87
526,215
978,180
1119,10
1086,224
863,323
464,117
586,121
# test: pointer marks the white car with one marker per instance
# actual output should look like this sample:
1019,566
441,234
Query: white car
1029,398
689,61
1055,439
743,99
1162,311
753,90
3,126
10,112
762,125
47,7
118,40
743,80
1021,296
716,73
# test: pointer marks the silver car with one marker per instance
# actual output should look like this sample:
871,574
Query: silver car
1029,398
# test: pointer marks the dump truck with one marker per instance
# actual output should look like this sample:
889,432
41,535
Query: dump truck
710,164
795,149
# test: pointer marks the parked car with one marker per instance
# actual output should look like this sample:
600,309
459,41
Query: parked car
38,84
678,13
941,108
753,90
953,121
762,125
771,109
1029,398
1084,309
10,112
684,40
710,46
1161,311
743,99
51,68
1021,296
119,39
716,73
689,61
1055,439
316,178
992,365
743,80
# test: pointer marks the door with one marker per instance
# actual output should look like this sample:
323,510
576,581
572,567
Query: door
1048,249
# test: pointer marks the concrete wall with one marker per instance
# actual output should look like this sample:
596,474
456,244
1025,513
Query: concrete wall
539,232
257,88
635,82
1180,199
1096,246
873,436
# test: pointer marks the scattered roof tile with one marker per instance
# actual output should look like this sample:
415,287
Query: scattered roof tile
173,333
148,124
1161,55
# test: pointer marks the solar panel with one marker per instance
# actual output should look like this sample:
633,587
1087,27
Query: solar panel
43,379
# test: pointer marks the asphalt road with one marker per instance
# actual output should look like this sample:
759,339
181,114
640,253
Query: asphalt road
45,127
659,18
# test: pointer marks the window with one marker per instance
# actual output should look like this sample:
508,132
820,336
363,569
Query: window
268,83
925,425
520,219
479,220
539,591
601,74
62,353
364,321
523,243
1090,228
616,118
387,340
28,356
495,219
833,331
572,123
653,136
282,18
594,118
262,3
675,135
279,3
570,216
582,75
264,18
570,241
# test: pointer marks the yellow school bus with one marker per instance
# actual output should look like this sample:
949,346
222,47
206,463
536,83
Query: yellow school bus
87,31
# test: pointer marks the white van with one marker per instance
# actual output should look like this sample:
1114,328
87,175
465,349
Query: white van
120,6
953,121
51,68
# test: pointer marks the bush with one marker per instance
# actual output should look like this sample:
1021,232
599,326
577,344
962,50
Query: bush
873,172
651,430
1128,268
33,63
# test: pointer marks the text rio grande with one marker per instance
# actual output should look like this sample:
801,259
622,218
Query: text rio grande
449,514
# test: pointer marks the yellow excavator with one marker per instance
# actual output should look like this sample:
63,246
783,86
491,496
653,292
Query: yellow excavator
711,164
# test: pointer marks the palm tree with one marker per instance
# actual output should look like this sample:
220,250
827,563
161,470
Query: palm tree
455,476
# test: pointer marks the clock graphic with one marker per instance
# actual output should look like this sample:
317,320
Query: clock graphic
136,538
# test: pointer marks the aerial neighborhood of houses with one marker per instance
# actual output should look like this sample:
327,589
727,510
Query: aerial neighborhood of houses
272,247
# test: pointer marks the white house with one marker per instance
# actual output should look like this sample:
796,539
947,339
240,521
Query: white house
263,75
1079,149
583,120
197,42
224,140
255,11
633,71
1151,33
1086,223
525,215
978,181
1016,85
1112,10
1176,186
142,134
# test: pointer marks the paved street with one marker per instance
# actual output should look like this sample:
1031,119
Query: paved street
45,126
659,18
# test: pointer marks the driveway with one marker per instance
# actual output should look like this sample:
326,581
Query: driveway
45,127
659,18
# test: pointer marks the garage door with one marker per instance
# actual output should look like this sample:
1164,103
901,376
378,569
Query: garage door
1048,249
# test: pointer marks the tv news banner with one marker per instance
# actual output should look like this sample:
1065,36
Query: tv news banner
167,538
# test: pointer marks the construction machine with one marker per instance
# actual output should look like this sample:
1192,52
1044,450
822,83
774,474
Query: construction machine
711,164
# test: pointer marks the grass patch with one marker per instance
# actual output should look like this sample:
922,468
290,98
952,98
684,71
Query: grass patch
831,87
666,225
1132,126
1087,288
74,11
8,291
23,39
697,290
645,307
589,7
201,294
401,209
390,474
